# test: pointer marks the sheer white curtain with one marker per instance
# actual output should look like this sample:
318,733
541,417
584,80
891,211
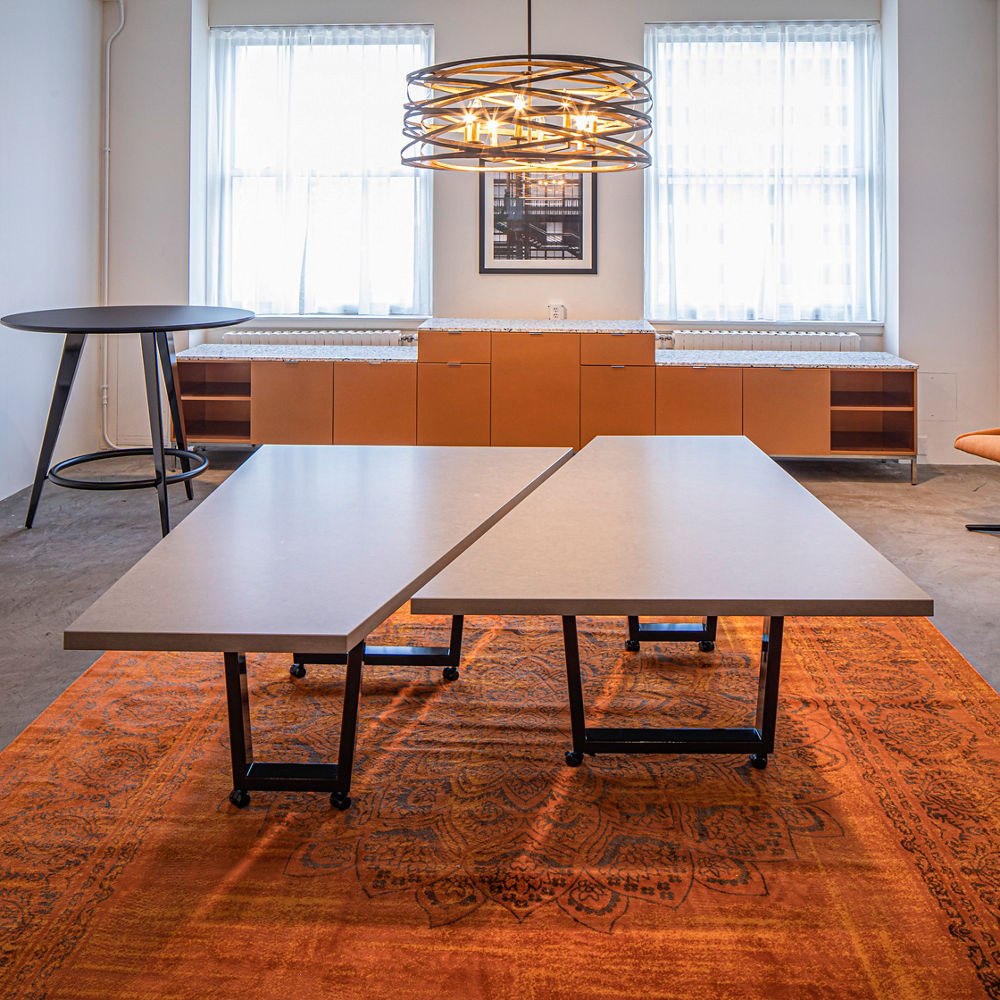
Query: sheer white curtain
310,210
765,199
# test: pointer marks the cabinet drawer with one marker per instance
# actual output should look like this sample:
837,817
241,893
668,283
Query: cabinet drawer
699,400
291,402
535,392
617,348
374,403
616,400
786,411
453,404
453,345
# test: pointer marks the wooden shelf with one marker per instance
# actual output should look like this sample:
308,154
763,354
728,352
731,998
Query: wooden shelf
221,431
871,442
216,391
846,400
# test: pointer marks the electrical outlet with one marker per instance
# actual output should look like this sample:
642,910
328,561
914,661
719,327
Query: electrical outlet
557,310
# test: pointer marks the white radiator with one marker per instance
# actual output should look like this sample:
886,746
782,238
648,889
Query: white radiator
764,340
355,338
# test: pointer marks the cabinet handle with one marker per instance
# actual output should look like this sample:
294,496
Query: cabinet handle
786,368
454,333
453,364
290,361
617,333
535,333
618,366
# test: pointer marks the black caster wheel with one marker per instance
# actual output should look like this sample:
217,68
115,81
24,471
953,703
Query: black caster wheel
450,673
341,800
759,760
706,645
574,759
297,670
239,798
632,645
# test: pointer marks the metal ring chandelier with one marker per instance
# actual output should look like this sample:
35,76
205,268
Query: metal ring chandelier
550,113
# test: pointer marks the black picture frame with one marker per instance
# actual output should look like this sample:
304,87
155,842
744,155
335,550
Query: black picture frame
573,219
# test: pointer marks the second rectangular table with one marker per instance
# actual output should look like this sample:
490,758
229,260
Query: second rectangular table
703,526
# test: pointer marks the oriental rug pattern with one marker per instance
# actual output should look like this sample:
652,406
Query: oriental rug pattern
864,861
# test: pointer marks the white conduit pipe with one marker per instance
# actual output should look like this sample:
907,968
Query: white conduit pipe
106,219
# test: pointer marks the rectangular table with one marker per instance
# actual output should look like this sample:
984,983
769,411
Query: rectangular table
672,526
308,549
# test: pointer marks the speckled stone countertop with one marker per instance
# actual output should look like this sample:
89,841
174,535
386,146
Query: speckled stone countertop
299,352
783,359
540,325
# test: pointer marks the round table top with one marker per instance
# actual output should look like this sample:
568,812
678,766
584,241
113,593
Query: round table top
126,319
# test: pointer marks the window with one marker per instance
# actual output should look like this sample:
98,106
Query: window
765,198
310,210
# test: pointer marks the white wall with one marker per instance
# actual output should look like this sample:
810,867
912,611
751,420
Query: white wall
50,61
944,310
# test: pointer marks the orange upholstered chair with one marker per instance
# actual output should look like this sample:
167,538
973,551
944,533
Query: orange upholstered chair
985,444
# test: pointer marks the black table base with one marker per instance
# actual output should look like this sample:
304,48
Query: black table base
156,347
756,740
448,656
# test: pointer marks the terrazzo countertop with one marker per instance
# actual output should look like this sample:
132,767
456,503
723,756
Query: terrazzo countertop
299,352
540,325
782,359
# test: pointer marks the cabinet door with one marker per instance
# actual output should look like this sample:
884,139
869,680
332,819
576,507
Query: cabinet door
374,403
699,400
786,411
291,402
453,404
616,400
535,398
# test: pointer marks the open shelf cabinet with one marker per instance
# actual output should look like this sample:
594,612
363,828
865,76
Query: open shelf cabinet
215,400
873,412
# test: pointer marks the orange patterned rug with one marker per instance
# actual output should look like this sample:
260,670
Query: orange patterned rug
863,862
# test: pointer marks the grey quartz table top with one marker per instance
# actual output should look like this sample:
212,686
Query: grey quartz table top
298,352
671,525
538,325
308,548
781,359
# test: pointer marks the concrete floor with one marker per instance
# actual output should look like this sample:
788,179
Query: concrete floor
83,541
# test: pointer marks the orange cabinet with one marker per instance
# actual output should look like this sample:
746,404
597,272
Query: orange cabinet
786,411
291,402
699,400
453,403
616,399
535,398
374,403
454,345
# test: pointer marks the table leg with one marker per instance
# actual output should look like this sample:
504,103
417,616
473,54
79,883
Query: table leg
168,362
155,424
449,656
756,740
672,632
250,774
72,349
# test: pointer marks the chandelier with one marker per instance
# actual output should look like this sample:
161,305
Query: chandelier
551,113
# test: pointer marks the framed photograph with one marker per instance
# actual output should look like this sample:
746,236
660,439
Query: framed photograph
537,223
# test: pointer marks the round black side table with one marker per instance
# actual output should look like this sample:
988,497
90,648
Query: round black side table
155,326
